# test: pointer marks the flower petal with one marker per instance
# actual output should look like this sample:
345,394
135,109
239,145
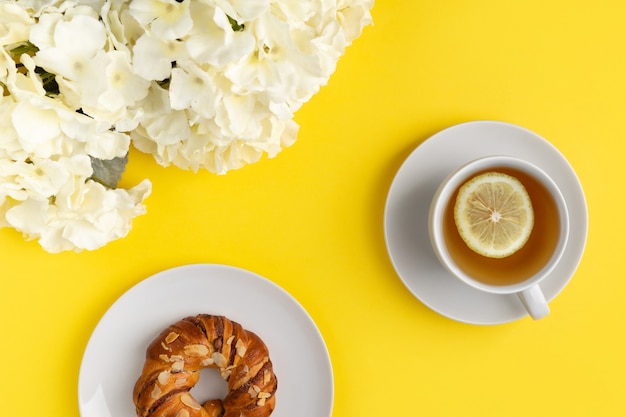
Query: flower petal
35,138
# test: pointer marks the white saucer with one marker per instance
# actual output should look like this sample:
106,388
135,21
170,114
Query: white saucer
115,354
408,202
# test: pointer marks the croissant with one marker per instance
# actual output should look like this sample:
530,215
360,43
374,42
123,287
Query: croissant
174,360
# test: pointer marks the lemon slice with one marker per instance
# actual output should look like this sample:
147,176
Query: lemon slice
493,214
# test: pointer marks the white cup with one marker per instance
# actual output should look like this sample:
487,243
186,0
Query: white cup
548,254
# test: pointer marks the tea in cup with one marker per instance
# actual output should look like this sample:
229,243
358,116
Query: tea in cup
500,224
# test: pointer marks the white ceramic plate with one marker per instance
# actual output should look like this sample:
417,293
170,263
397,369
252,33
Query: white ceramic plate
115,353
408,203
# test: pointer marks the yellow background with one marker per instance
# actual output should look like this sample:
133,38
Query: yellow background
311,220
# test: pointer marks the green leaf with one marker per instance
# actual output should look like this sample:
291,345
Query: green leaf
49,81
236,26
24,48
108,172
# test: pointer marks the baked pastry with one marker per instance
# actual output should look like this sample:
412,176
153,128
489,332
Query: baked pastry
174,360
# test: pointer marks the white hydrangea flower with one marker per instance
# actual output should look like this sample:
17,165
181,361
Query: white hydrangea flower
124,88
42,139
25,85
43,178
9,144
15,23
60,131
192,87
353,16
13,176
200,84
85,215
39,179
111,93
73,46
261,59
46,146
153,57
244,10
212,39
166,19
278,67
162,124
68,42
48,196
122,27
35,7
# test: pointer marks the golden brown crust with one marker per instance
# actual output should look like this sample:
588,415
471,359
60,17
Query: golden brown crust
174,360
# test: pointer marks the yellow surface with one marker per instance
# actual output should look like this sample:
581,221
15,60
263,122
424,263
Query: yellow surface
311,220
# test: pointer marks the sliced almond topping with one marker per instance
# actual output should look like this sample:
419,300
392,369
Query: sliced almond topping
229,341
261,402
226,374
181,381
266,377
164,377
256,389
171,337
156,392
252,392
189,401
196,350
182,413
264,395
178,366
245,368
164,358
219,359
241,348
166,347
176,358
207,362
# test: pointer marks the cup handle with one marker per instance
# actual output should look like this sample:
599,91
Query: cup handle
535,302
